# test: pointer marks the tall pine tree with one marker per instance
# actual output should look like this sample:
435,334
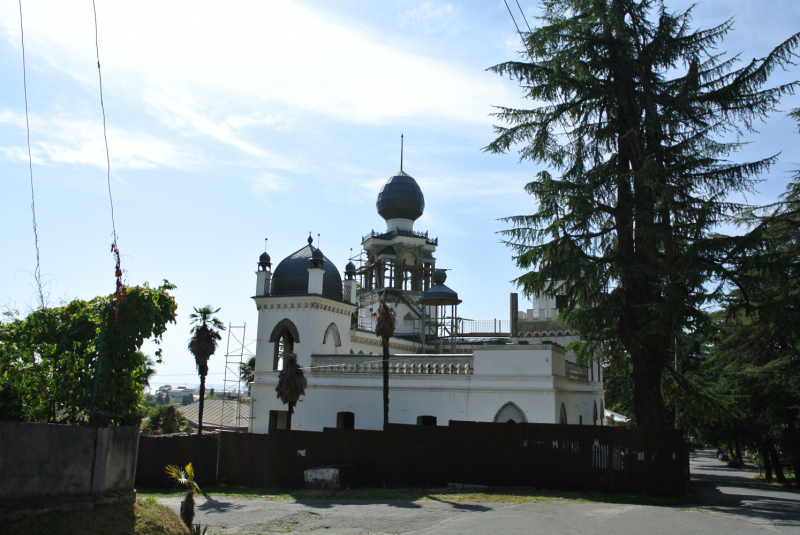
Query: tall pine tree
638,115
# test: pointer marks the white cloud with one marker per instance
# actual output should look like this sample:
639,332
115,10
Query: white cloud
428,14
191,60
68,139
266,183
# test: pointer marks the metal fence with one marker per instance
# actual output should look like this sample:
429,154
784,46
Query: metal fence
484,327
566,457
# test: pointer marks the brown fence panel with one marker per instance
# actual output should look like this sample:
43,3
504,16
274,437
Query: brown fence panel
290,453
155,453
417,455
365,449
243,459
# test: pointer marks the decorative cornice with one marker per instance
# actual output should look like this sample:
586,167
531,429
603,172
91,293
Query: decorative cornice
305,302
373,342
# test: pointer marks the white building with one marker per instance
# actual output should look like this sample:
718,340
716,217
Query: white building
441,368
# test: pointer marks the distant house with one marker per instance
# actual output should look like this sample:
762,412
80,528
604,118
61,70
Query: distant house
219,415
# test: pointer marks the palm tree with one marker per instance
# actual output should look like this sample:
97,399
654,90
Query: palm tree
185,478
203,344
385,329
292,384
247,372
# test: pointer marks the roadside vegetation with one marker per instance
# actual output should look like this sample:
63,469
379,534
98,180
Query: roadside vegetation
145,517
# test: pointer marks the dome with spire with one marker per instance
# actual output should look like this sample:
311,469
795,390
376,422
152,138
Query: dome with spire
291,275
401,198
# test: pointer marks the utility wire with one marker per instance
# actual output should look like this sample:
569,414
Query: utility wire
38,273
517,27
523,17
114,247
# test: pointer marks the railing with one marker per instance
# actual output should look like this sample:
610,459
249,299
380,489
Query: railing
398,364
299,286
483,327
294,286
388,235
575,371
331,289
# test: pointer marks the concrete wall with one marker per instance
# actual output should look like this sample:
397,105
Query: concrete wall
40,461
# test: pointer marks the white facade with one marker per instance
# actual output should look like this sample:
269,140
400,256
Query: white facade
525,377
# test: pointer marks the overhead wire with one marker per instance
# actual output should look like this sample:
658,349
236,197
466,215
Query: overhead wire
114,246
525,44
38,273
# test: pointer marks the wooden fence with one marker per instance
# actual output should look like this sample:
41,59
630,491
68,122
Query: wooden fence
567,457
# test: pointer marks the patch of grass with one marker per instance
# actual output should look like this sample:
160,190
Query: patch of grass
499,495
145,517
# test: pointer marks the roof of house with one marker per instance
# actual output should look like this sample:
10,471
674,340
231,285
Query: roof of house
219,414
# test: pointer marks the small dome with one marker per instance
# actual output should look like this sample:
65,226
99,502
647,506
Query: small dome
264,261
350,271
439,294
291,275
317,255
400,198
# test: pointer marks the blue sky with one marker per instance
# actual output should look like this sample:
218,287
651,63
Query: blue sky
231,122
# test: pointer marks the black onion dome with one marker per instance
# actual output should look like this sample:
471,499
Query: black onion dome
264,258
291,275
401,198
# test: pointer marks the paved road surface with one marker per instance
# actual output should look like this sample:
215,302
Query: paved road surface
733,503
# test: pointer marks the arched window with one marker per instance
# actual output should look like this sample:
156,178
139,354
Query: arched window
562,419
594,413
284,336
602,413
332,331
510,412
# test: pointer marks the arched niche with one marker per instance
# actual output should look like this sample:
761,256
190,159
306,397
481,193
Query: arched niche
510,412
562,419
594,413
602,413
332,332
284,336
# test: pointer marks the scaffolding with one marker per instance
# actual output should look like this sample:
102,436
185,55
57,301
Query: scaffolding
236,354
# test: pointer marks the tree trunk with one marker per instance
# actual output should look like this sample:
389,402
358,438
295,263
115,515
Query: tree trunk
385,383
648,403
202,400
738,452
776,462
767,463
187,509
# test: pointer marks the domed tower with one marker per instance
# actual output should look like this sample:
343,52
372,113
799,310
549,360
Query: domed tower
303,296
399,260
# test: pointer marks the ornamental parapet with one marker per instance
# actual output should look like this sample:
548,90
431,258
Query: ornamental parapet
398,364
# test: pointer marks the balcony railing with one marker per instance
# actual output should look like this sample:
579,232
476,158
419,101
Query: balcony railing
299,286
388,235
398,364
576,371
483,327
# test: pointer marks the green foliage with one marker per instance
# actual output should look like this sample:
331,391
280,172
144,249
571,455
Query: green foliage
633,108
203,344
247,372
50,356
167,419
291,385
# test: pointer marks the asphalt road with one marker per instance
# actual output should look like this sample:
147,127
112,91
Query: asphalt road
733,503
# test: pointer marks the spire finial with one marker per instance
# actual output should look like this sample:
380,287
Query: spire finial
310,239
265,244
401,152
319,242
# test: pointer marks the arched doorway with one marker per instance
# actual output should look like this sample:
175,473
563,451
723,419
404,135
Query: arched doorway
284,336
510,413
562,419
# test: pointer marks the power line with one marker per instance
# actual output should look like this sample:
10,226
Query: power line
523,17
38,273
517,27
114,246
